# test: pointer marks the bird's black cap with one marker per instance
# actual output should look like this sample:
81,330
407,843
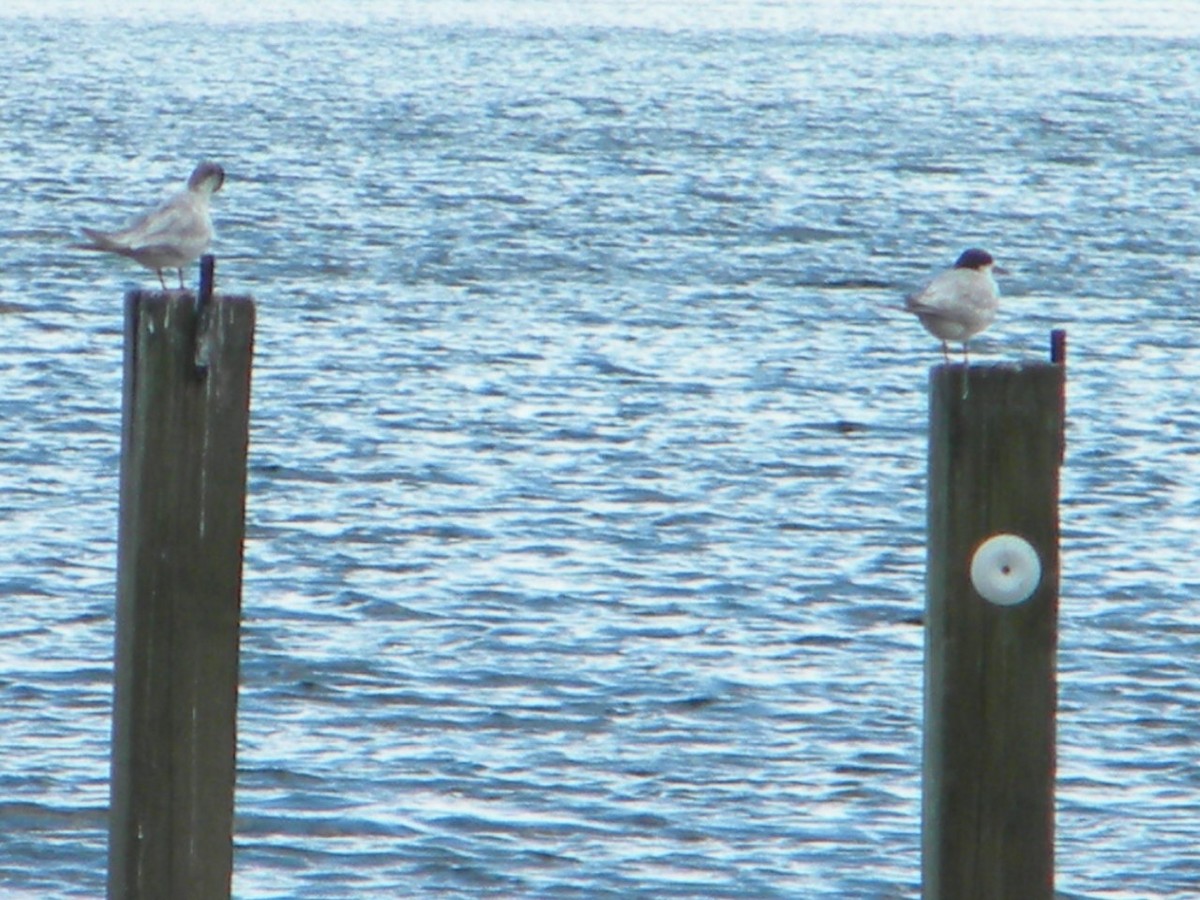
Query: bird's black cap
974,259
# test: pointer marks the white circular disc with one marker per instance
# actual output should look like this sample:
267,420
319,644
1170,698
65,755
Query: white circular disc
1006,570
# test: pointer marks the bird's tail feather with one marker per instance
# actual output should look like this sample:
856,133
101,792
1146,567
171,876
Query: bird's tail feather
99,241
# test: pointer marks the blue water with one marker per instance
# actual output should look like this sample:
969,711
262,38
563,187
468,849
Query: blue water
588,447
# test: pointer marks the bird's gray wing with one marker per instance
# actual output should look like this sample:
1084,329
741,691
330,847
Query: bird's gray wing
176,222
948,297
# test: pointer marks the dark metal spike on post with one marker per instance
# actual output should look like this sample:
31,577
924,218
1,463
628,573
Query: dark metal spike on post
208,266
1058,347
1058,357
179,569
991,618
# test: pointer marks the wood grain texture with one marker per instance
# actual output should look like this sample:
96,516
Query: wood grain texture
990,681
179,570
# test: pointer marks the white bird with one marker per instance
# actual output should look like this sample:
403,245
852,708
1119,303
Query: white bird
171,235
960,302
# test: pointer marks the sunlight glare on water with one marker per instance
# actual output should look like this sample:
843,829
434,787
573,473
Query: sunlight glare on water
1046,18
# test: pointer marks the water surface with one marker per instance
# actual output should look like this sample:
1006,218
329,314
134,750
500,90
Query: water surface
587,469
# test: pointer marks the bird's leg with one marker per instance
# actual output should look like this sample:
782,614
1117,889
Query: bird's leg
161,280
966,372
181,284
946,353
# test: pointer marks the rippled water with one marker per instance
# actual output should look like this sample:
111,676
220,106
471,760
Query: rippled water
587,468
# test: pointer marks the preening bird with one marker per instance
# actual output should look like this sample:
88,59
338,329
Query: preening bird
171,235
960,302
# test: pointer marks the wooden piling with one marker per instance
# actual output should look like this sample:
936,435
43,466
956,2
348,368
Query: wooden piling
990,684
179,565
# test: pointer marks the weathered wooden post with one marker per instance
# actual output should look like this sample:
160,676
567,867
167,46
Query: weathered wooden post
179,566
991,624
